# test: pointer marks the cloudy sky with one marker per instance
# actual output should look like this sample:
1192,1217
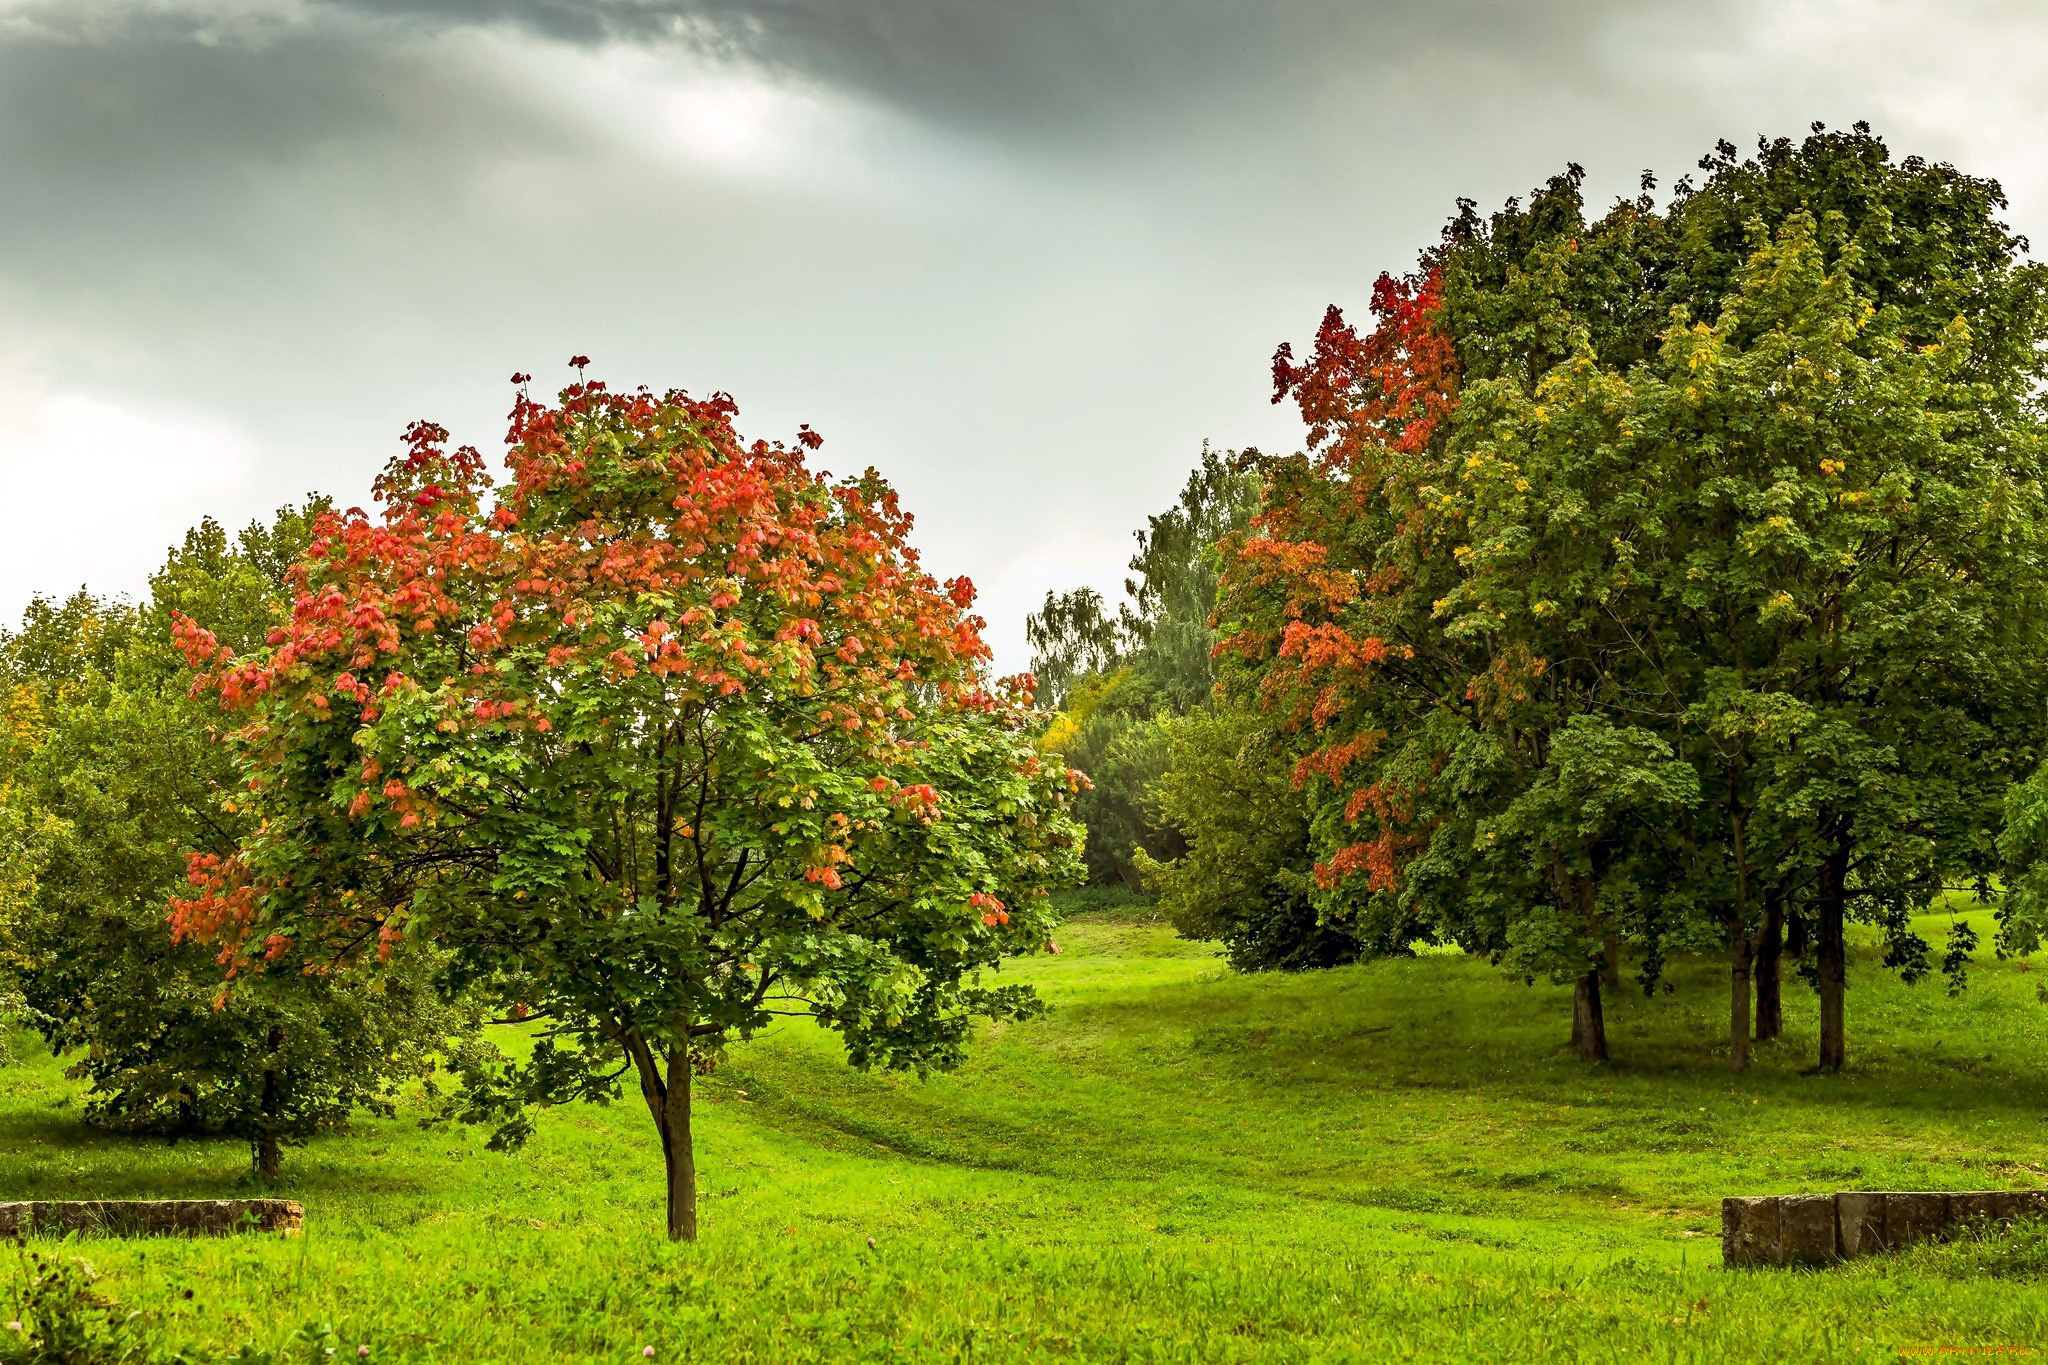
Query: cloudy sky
1024,256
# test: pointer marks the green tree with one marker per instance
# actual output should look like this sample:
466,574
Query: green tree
121,776
1772,510
1245,877
1816,526
1902,515
1073,637
1115,678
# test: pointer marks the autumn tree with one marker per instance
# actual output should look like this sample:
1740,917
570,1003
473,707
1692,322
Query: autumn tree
671,738
1328,617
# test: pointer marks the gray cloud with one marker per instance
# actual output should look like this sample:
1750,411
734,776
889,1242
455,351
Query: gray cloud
1059,69
1023,256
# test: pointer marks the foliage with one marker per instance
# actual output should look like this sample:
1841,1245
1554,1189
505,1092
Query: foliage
675,740
1074,639
23,835
1245,878
1116,679
57,1317
1987,1254
1165,618
1767,517
122,777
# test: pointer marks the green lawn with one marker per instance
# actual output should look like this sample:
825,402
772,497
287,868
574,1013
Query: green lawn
1393,1161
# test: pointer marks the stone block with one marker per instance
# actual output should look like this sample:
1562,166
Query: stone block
1808,1229
1978,1207
1751,1231
1820,1229
2005,1206
2029,1203
1914,1216
1859,1222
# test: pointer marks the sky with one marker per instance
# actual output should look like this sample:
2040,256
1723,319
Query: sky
1022,256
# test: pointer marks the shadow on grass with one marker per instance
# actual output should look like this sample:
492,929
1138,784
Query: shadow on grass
64,1157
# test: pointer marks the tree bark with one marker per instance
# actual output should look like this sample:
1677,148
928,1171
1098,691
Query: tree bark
1770,951
1798,935
1740,953
678,1151
1589,1026
668,1102
1610,962
269,1161
1831,951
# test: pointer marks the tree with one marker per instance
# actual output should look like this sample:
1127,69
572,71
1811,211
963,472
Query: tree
1122,746
1117,678
22,834
1162,631
675,739
1881,338
1172,593
121,779
1329,635
1813,516
1245,876
1073,637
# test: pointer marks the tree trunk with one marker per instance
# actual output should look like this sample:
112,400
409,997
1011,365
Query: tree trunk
269,1161
1610,962
1798,935
668,1102
1589,1026
1831,951
679,1154
1770,950
1739,960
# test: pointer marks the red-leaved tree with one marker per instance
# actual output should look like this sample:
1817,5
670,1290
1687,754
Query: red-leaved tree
1327,605
668,738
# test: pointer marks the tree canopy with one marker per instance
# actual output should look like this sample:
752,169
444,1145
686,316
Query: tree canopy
113,777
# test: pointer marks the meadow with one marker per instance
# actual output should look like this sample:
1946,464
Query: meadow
1392,1161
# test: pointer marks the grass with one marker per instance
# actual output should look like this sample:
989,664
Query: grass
1396,1161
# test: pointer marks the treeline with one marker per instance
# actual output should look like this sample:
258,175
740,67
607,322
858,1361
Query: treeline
1665,581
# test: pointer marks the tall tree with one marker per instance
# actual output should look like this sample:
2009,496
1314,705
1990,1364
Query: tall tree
1788,542
1895,495
1116,678
675,739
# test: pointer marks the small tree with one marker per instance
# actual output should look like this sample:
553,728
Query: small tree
675,739
1247,877
114,777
